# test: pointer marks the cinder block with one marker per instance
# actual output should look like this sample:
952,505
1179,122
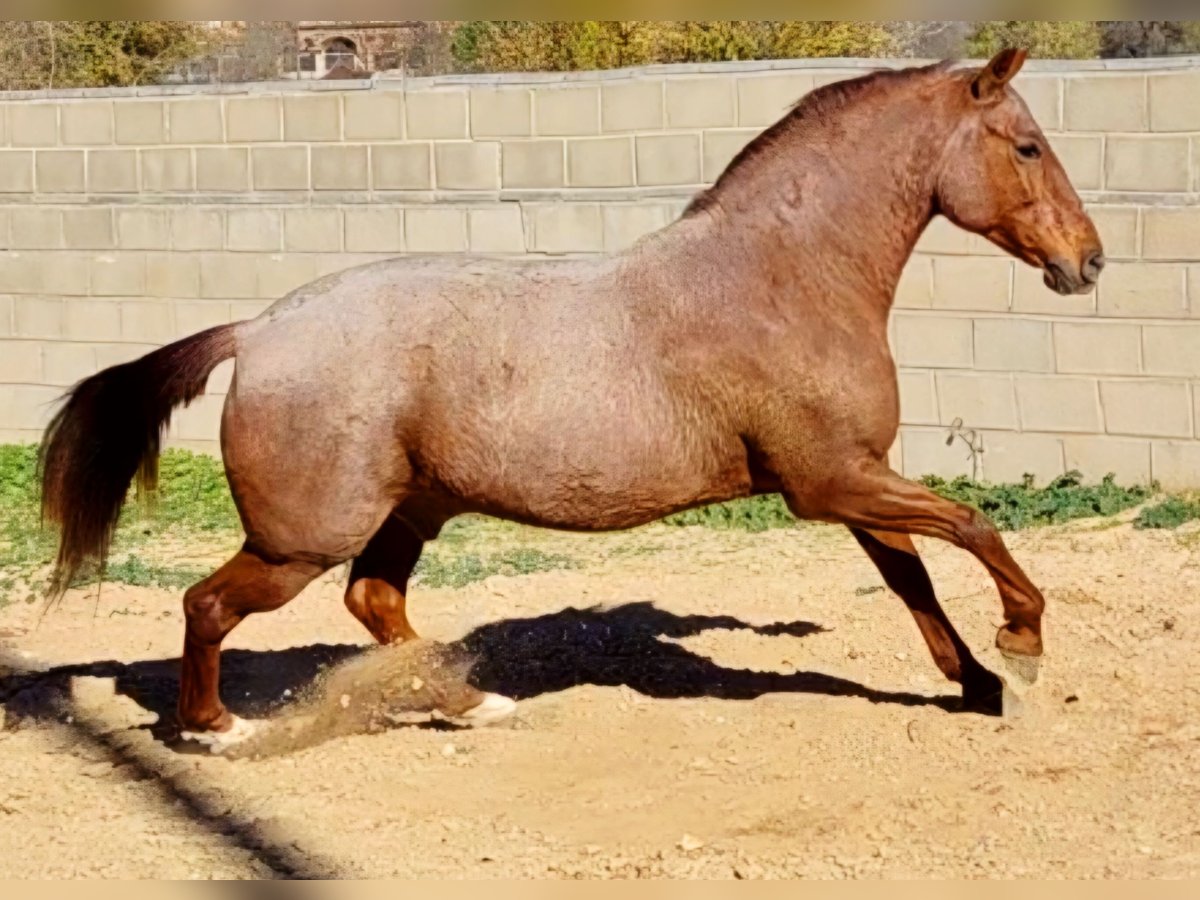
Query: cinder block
374,230
33,124
253,119
668,159
197,228
567,111
1176,465
720,147
280,168
918,398
200,420
436,114
915,289
501,112
281,273
1146,163
221,377
926,452
63,274
1008,457
1043,96
1030,295
312,230
1050,403
934,341
981,401
147,322
172,275
600,162
633,106
143,228
28,406
224,169
567,228
1099,348
374,116
1105,103
1150,408
195,121
112,171
312,117
118,275
16,171
700,103
242,310
141,122
254,229
1171,233
43,317
1173,102
435,230
972,283
86,123
765,99
197,315
1171,349
1118,230
1095,457
60,171
36,228
532,164
8,324
228,276
943,237
467,165
626,223
108,355
1081,155
64,364
89,229
497,229
401,167
1013,345
1138,289
20,361
341,168
92,320
166,170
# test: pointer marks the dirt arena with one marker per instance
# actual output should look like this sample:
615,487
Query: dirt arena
692,703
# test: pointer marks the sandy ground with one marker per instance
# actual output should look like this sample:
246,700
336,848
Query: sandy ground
692,703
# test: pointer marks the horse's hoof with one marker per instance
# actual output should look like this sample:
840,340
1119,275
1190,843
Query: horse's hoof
220,741
1022,670
492,708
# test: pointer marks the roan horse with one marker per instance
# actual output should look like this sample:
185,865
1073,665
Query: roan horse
740,350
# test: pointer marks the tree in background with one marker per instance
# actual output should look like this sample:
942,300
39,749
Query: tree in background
37,55
1128,39
1046,40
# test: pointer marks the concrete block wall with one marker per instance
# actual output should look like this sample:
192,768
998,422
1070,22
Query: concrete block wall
131,218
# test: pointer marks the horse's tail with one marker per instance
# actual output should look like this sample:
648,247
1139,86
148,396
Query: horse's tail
108,431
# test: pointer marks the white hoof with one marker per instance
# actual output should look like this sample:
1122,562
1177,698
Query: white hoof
493,708
220,741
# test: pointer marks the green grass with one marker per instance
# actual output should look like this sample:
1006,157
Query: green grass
454,571
193,504
1168,513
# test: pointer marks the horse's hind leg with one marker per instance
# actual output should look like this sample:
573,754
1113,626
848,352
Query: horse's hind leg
902,570
246,584
377,597
379,577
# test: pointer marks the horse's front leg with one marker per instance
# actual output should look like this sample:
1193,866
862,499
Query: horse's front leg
873,498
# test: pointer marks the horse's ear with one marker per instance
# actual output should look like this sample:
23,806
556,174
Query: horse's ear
996,74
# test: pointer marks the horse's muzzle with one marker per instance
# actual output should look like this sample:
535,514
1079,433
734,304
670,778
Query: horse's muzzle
1064,278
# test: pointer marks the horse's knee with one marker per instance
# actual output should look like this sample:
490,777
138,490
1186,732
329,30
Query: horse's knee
204,613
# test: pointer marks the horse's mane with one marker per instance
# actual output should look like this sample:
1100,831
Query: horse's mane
821,102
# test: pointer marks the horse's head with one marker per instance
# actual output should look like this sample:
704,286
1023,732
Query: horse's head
999,178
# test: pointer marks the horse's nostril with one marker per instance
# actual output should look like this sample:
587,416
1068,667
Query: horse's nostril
1093,264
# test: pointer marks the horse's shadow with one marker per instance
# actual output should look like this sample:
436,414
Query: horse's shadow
632,645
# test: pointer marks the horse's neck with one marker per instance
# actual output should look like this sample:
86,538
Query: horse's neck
837,221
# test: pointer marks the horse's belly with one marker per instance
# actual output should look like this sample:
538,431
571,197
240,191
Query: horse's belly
612,486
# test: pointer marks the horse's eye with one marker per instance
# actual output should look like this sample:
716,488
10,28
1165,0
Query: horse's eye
1029,151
